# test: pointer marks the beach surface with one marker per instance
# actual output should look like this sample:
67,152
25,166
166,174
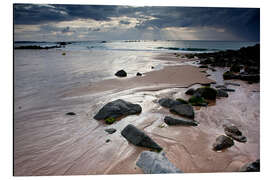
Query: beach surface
49,142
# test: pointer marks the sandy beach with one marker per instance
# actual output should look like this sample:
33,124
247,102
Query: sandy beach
48,142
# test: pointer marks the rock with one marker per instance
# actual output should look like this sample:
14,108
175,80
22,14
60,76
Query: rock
182,101
203,66
71,113
222,93
235,68
229,75
171,121
197,100
116,109
155,163
110,120
138,74
152,67
190,91
110,130
168,103
232,84
121,73
185,110
108,140
221,86
252,69
251,167
255,78
206,93
228,90
233,132
222,142
139,138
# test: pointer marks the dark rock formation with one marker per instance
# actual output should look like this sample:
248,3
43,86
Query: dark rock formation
121,73
156,163
116,109
37,47
227,90
233,132
139,138
206,93
110,130
138,74
168,103
197,100
71,113
251,167
235,68
222,142
171,121
185,110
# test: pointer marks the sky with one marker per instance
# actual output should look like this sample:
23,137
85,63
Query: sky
43,22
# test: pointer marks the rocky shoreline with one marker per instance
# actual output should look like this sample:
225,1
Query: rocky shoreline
240,68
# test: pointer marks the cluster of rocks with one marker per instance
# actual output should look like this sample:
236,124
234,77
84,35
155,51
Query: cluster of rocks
37,47
123,73
232,133
244,63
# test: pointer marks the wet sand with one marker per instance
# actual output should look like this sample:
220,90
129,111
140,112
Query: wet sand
47,142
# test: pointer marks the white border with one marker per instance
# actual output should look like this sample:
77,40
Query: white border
7,83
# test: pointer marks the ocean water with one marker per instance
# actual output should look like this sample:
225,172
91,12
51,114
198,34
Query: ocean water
153,46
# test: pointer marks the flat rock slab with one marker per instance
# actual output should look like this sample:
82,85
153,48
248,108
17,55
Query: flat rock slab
222,142
139,138
185,110
171,121
155,163
116,109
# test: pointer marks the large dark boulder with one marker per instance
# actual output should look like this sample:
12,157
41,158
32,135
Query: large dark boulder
116,109
222,142
206,92
251,167
156,163
139,138
229,75
185,110
121,73
184,122
250,77
168,103
233,132
235,68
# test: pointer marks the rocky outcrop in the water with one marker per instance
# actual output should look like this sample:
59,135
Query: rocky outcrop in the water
155,163
184,122
117,109
121,73
233,132
139,138
185,110
37,47
222,142
251,167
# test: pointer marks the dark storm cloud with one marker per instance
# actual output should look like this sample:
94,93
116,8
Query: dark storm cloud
67,30
242,22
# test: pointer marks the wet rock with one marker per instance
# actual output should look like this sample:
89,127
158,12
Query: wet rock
138,74
232,84
121,73
139,138
182,101
206,93
171,121
108,140
221,86
255,78
222,93
222,142
197,100
116,109
190,91
233,132
168,103
185,110
228,90
155,163
252,69
229,75
203,66
71,113
251,167
110,130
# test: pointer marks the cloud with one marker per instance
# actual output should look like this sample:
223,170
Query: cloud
241,23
